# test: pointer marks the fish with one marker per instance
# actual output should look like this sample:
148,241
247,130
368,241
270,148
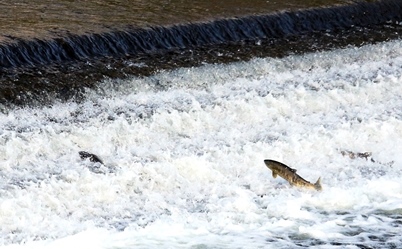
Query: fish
290,175
353,155
92,157
97,166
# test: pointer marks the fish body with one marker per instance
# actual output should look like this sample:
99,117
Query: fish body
290,175
97,166
92,157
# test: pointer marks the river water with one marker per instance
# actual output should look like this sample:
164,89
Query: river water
54,51
183,153
47,18
184,164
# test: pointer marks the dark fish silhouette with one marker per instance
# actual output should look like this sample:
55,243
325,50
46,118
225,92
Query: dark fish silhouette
290,175
92,157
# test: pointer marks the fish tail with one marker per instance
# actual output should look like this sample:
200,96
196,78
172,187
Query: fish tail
317,185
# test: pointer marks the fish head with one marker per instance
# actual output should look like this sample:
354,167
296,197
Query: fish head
270,164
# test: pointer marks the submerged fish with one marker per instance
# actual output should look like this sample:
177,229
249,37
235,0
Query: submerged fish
98,166
92,157
290,175
353,155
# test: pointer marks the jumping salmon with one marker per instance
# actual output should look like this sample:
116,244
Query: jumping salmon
290,175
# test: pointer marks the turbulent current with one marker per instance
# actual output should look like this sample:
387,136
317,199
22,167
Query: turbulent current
184,154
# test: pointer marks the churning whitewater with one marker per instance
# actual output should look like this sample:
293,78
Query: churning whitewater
184,152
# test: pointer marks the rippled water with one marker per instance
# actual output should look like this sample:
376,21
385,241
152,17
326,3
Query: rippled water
47,18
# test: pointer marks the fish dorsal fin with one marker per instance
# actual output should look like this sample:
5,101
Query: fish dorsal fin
293,170
274,174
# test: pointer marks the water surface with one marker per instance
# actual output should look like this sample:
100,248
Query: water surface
61,65
184,153
184,131
46,18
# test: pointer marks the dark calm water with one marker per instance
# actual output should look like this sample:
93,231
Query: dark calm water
52,50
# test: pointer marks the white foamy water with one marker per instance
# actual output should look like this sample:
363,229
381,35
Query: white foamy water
184,153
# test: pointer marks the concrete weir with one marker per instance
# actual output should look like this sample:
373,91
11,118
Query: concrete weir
37,70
